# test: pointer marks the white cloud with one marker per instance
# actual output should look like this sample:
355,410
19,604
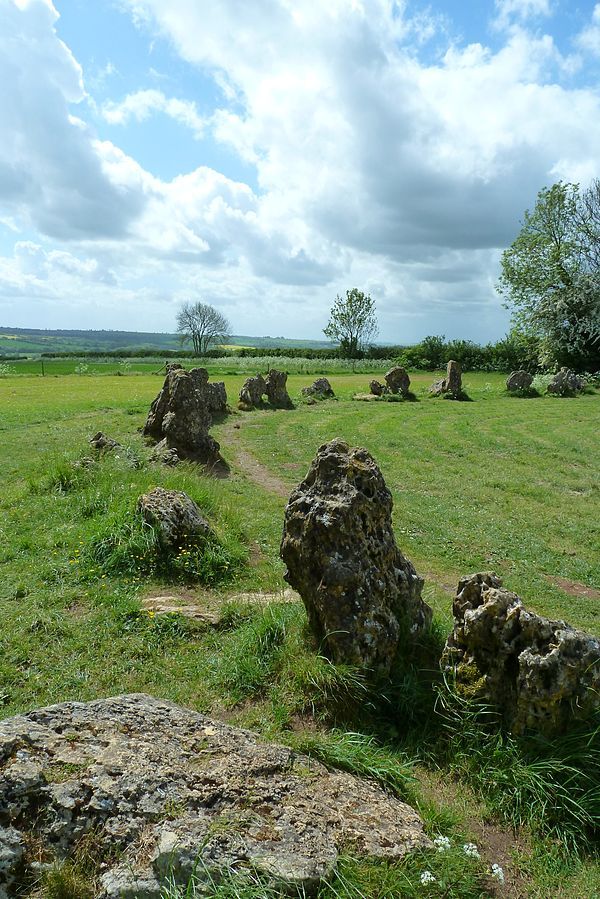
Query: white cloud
374,168
589,38
142,104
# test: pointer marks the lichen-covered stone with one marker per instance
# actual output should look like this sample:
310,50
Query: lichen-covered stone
361,595
519,380
166,792
540,674
451,385
253,390
398,380
175,516
181,418
320,388
376,387
565,383
276,390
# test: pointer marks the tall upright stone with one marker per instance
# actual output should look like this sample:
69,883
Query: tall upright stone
179,421
276,390
363,598
451,385
252,391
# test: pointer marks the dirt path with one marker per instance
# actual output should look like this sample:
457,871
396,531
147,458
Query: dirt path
248,464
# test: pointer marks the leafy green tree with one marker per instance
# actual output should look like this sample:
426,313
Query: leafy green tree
202,325
352,322
550,276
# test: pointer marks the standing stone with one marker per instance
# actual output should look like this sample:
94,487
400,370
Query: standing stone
397,380
320,388
376,388
276,390
363,598
519,380
213,395
175,515
540,674
565,383
253,390
179,420
451,385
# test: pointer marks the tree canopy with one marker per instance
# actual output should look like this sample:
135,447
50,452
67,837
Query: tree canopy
202,325
551,275
352,322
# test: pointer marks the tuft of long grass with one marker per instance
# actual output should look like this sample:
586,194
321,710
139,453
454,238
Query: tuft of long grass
552,785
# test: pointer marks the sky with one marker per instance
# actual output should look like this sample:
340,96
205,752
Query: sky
264,156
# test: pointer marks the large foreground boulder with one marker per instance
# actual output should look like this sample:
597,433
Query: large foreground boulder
540,674
179,420
363,598
519,380
398,380
451,385
175,516
165,793
565,383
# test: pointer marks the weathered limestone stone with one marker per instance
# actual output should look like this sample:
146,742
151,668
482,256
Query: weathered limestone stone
540,674
176,516
519,380
276,390
181,418
253,390
213,394
397,380
565,383
376,388
167,792
103,442
320,388
362,596
451,385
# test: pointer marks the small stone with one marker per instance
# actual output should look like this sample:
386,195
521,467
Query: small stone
397,380
175,515
376,388
320,388
565,383
519,380
253,390
361,595
102,442
276,390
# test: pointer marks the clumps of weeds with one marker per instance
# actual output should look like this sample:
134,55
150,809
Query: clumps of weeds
129,546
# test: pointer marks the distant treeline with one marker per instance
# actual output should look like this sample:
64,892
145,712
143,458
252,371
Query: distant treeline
430,354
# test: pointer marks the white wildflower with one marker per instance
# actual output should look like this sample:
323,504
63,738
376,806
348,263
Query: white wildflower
471,850
442,844
427,877
497,873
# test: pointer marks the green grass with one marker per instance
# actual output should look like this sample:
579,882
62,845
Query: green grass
499,483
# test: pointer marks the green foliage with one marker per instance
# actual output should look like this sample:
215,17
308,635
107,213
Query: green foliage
352,322
551,279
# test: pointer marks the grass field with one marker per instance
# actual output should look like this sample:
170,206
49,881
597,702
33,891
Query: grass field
498,483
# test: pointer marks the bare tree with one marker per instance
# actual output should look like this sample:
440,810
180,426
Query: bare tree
202,325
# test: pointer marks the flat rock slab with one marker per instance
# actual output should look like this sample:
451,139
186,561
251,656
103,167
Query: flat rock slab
208,608
168,792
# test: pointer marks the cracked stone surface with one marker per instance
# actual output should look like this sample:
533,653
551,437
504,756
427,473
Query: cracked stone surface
540,674
175,515
173,791
362,596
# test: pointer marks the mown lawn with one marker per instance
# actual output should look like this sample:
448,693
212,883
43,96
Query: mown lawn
497,483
